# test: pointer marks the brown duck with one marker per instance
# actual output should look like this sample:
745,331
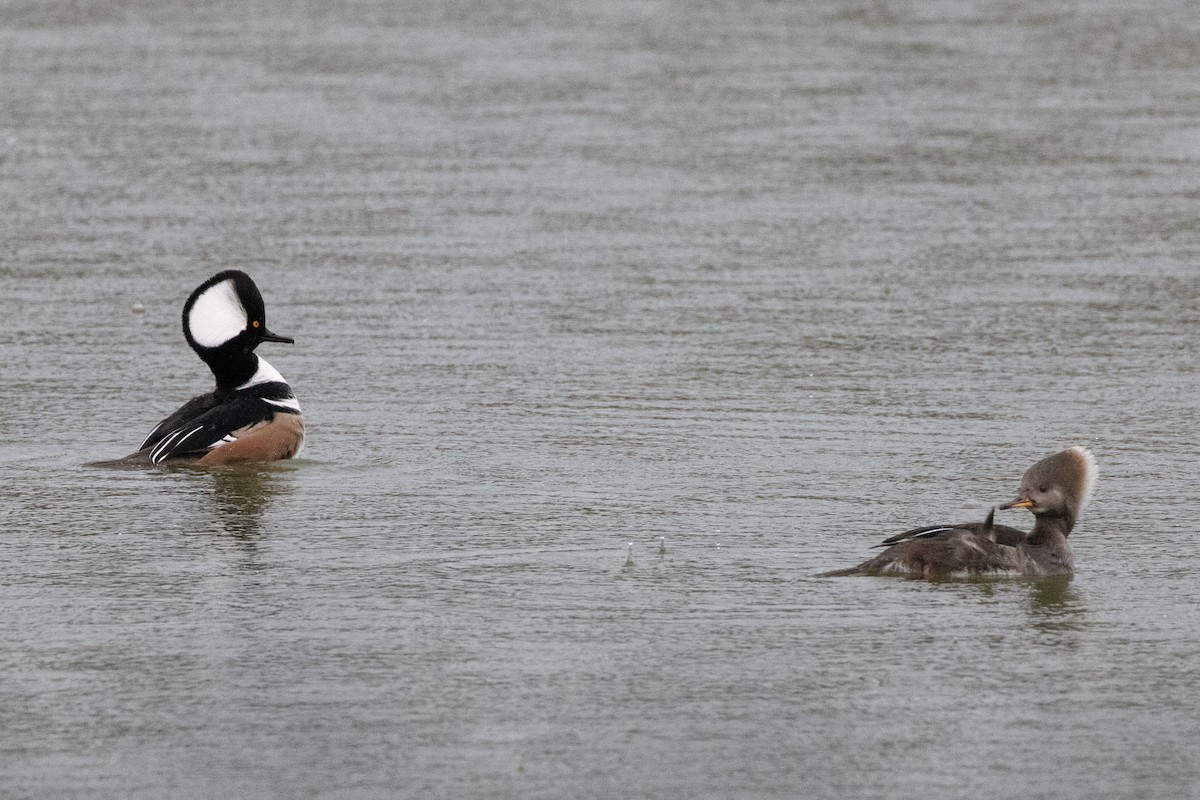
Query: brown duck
1054,489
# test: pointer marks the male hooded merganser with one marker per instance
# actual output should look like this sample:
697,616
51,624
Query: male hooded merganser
1054,489
252,415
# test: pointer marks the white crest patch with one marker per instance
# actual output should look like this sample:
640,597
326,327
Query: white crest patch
1090,472
217,315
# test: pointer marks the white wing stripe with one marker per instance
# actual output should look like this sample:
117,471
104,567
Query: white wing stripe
158,454
150,436
161,447
290,402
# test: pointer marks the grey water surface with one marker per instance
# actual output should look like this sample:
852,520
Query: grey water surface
615,322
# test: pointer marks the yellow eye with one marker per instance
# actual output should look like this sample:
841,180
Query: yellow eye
255,323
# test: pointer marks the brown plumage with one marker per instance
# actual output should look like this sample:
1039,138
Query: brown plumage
1054,489
277,439
252,413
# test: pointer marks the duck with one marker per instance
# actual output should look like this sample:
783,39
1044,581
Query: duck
252,415
1054,490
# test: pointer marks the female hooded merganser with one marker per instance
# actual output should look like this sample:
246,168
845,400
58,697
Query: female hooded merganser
1054,489
252,415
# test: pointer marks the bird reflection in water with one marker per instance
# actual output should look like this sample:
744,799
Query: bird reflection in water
242,492
1055,606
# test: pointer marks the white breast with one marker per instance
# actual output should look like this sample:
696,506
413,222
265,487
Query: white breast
268,374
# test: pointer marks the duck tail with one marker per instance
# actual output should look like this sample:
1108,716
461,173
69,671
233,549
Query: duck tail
840,573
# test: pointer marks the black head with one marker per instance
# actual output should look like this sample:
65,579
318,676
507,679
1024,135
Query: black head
1059,485
224,319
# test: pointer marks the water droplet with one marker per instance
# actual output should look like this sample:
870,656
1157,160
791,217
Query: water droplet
138,308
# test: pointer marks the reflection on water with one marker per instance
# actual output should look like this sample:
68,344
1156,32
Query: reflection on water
749,276
1055,606
241,493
